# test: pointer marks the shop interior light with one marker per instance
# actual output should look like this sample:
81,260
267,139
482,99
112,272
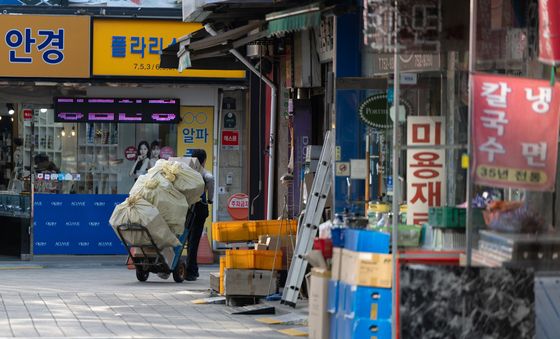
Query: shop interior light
43,110
11,109
0,117
63,132
73,132
12,119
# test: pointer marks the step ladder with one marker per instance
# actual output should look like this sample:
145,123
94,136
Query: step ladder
309,224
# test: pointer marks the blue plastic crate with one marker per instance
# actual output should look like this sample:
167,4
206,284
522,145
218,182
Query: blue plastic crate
337,235
333,326
332,303
371,303
343,326
366,241
364,328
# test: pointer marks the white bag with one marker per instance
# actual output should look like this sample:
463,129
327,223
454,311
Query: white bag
186,180
158,191
135,210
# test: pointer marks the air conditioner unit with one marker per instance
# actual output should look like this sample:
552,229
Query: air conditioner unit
193,10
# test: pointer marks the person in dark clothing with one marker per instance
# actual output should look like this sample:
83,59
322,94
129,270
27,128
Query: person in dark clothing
201,213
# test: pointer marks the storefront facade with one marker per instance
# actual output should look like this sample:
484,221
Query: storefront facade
80,151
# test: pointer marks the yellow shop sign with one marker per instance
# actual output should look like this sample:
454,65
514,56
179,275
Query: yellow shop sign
44,46
133,47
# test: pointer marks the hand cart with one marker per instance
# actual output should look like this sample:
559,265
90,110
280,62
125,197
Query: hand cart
150,258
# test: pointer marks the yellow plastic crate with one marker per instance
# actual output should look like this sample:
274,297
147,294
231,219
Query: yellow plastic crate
276,227
222,272
253,259
239,230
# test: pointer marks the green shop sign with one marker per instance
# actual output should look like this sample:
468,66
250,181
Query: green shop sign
374,111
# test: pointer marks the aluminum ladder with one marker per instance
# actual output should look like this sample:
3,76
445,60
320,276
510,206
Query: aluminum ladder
309,224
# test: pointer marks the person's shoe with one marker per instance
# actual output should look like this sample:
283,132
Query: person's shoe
190,278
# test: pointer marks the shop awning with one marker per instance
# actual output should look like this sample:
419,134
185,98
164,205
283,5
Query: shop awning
295,19
209,50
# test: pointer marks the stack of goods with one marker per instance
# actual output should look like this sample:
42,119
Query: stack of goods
517,249
253,272
359,291
159,200
446,228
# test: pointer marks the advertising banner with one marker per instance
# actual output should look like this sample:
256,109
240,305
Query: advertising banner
133,47
95,3
76,224
44,46
425,173
196,130
549,32
515,132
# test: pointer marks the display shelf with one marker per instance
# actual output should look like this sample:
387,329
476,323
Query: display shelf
98,146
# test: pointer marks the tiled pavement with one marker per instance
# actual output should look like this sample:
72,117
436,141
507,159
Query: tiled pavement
104,301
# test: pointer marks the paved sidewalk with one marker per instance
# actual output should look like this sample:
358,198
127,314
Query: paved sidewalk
74,300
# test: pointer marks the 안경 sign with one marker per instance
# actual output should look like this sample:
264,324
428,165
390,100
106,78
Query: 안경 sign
121,110
44,46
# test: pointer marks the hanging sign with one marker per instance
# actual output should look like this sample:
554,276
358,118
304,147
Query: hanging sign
515,132
238,206
374,111
426,179
549,32
27,114
230,120
130,153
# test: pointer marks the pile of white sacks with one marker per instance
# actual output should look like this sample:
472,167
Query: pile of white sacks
159,200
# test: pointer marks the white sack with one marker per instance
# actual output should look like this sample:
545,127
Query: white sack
171,204
185,179
135,210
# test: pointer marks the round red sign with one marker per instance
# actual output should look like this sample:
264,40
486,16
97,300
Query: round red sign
238,206
130,153
166,152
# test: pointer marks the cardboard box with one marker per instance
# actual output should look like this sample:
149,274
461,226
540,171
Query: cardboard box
215,281
249,282
261,247
336,263
319,320
366,269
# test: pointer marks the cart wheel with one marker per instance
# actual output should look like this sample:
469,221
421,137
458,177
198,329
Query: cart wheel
142,275
179,272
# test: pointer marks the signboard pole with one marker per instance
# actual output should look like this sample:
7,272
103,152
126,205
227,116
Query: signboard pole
470,170
395,174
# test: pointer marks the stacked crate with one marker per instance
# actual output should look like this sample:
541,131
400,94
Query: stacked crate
446,227
250,272
359,298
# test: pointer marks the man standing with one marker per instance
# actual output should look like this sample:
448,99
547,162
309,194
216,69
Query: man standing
201,213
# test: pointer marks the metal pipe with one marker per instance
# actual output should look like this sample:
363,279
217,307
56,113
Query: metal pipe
396,184
272,141
470,172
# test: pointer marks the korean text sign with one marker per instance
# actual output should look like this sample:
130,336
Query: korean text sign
133,48
425,173
515,132
44,46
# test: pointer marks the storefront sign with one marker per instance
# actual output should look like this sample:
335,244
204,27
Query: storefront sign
515,132
230,140
374,111
230,120
419,25
238,206
196,130
130,153
156,111
549,32
133,47
94,3
27,114
166,152
44,46
426,178
417,62
75,224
